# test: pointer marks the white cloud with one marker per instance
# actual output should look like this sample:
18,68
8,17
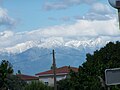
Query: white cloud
98,11
80,29
6,34
5,19
95,16
100,8
63,4
50,6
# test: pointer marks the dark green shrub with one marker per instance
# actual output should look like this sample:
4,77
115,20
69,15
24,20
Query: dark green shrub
37,85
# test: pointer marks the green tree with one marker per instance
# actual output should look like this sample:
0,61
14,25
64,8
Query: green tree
15,83
37,85
7,79
91,74
19,72
5,71
64,84
105,58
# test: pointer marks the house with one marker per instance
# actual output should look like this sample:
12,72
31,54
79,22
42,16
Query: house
27,78
61,73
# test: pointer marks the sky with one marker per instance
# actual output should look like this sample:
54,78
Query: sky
24,20
27,15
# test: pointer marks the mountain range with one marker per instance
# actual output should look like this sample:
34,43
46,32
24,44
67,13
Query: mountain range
32,57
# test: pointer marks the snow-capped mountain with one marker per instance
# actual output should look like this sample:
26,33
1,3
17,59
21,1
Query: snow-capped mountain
52,43
34,56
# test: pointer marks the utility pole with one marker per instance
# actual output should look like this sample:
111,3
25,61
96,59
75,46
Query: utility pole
54,70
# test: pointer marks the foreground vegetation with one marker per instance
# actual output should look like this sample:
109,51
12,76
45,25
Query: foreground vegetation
10,81
37,86
91,74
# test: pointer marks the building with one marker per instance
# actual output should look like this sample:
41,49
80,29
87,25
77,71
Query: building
27,78
61,73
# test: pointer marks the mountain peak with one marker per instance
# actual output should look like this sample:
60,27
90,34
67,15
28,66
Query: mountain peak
55,42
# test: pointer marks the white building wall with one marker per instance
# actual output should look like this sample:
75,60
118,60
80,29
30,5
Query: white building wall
50,79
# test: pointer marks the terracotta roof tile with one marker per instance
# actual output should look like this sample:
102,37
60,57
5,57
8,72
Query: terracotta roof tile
27,77
61,70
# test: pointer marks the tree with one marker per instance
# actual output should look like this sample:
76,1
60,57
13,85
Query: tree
7,79
64,84
91,74
105,58
15,83
19,72
5,71
37,85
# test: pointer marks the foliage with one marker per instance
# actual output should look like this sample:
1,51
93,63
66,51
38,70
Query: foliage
64,84
37,85
19,72
7,79
91,75
15,83
5,71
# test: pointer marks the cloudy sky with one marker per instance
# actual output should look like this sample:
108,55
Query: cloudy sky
27,15
24,20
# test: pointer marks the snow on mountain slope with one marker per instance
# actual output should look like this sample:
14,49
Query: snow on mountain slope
85,43
19,48
55,42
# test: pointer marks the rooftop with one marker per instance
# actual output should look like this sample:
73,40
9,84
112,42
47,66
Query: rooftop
27,77
61,70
